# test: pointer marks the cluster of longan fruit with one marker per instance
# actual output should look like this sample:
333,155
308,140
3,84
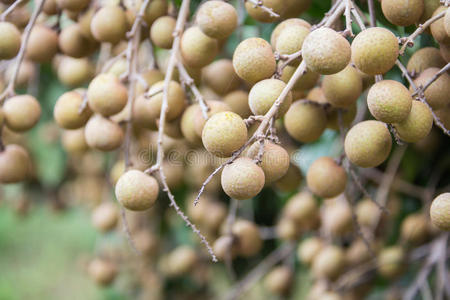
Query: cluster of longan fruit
257,109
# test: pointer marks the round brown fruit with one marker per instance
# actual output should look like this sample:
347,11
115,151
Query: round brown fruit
14,164
73,5
389,101
253,60
274,161
220,76
102,272
368,144
302,208
42,44
279,280
74,141
263,95
217,19
74,72
305,121
67,111
259,14
238,102
343,88
290,181
249,240
391,261
176,101
437,94
326,178
10,40
181,260
73,42
197,49
188,124
161,32
105,216
136,190
21,112
308,250
417,124
224,133
414,228
242,179
214,108
154,10
106,31
224,247
424,58
286,23
306,82
329,262
402,12
325,51
438,27
103,134
375,50
107,95
290,40
440,211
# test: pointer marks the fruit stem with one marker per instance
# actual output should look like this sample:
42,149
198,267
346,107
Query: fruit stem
10,9
259,3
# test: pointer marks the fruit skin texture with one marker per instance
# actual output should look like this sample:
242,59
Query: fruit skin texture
107,95
66,111
161,32
390,261
14,164
278,6
308,250
368,144
10,40
73,5
74,72
103,272
214,108
155,9
440,211
217,19
198,49
42,44
325,51
74,141
428,57
437,94
329,262
220,76
305,121
286,23
238,102
188,125
105,216
326,178
274,162
417,124
414,228
279,280
301,208
438,28
106,31
242,179
253,60
103,134
224,133
181,260
73,42
343,88
22,112
136,190
389,101
176,101
249,238
264,94
402,12
375,50
306,82
290,39
290,181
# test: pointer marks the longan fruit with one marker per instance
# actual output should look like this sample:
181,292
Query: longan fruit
188,124
368,144
73,5
75,72
337,217
242,179
136,190
402,12
10,40
19,16
224,133
438,28
254,11
389,101
224,247
263,95
174,173
348,115
290,39
21,112
317,95
146,242
103,134
279,280
325,51
286,23
105,217
391,261
274,161
308,249
301,208
15,164
437,93
106,31
217,19
161,32
357,253
329,262
429,8
440,211
25,75
67,111
343,88
220,76
238,102
197,49
417,124
214,108
253,60
102,272
287,229
50,7
375,50
73,42
367,213
150,77
305,122
181,260
326,178
154,10
74,142
414,228
107,95
42,44
306,81
424,58
176,101
290,181
248,236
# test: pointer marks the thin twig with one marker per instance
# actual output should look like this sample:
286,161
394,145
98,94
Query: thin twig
357,16
432,79
348,19
259,3
10,9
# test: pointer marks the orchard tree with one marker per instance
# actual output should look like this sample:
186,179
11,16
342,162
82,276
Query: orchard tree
303,142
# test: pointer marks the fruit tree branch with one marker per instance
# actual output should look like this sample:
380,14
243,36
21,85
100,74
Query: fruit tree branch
10,9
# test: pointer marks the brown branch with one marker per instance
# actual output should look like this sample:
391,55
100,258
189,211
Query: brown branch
348,19
10,9
357,16
9,91
260,4
109,63
409,41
